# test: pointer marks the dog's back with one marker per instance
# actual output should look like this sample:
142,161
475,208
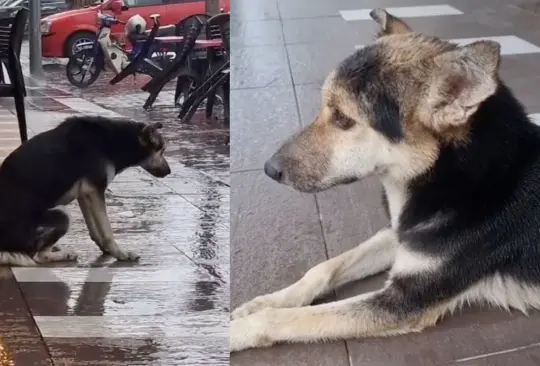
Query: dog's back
41,170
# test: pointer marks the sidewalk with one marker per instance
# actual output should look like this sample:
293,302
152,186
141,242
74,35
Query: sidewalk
283,50
171,308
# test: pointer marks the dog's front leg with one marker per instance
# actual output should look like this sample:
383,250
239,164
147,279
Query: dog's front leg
372,256
379,313
86,209
98,210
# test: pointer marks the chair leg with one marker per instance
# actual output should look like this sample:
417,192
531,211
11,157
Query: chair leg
202,89
130,69
214,64
178,90
226,101
199,100
21,115
210,100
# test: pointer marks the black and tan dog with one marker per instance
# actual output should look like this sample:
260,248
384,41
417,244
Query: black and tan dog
460,164
76,160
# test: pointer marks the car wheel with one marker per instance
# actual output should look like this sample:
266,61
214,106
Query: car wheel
76,39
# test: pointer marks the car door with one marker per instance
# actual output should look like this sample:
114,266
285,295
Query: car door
180,9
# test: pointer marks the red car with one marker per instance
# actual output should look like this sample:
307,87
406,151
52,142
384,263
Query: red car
63,31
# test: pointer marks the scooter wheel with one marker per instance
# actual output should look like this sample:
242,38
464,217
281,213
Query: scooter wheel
83,68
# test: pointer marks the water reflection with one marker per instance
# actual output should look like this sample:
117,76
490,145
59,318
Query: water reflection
205,250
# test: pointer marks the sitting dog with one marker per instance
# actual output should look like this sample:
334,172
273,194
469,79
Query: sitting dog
76,160
459,161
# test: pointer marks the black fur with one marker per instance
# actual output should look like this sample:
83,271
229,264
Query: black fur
362,75
35,176
489,191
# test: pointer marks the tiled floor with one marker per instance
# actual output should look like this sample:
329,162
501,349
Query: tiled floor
171,308
283,50
9,133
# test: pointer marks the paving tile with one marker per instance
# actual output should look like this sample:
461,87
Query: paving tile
147,351
20,341
311,63
254,10
276,237
43,103
261,119
309,9
257,67
351,214
403,12
214,203
336,31
256,33
114,352
333,354
474,332
525,356
185,180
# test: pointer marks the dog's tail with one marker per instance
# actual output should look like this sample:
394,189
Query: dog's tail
16,259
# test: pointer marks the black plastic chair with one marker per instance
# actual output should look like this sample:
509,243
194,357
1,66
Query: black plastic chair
155,85
196,65
11,38
220,78
143,56
202,61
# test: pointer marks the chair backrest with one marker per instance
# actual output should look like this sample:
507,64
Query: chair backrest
191,33
12,33
185,24
222,22
207,32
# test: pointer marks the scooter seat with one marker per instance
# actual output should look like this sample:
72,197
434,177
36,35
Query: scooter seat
164,31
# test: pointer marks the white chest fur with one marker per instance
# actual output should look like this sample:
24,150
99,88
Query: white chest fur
396,195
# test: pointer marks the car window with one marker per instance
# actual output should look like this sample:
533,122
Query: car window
135,3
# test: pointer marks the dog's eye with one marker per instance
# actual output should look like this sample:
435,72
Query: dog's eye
342,121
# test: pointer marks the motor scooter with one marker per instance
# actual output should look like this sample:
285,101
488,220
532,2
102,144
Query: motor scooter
85,65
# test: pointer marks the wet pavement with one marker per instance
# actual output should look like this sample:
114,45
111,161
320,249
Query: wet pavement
283,50
171,308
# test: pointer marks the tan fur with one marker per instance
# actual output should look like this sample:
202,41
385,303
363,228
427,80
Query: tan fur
284,317
438,86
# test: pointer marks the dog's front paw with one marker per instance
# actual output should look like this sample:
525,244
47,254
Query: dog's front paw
250,332
126,256
259,303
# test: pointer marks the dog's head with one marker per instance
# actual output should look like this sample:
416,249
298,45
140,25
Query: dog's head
387,109
154,147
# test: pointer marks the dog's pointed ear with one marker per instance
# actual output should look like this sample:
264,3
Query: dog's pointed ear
462,79
150,134
389,24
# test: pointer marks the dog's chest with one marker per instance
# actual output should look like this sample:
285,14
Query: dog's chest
396,197
85,187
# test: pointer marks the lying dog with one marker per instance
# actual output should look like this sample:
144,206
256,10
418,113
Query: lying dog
76,160
459,161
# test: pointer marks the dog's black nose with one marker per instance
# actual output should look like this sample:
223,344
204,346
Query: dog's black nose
272,168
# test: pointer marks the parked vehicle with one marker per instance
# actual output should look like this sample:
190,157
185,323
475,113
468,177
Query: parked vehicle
61,33
86,64
48,7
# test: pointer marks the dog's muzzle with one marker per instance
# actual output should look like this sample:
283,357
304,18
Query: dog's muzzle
159,172
274,169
